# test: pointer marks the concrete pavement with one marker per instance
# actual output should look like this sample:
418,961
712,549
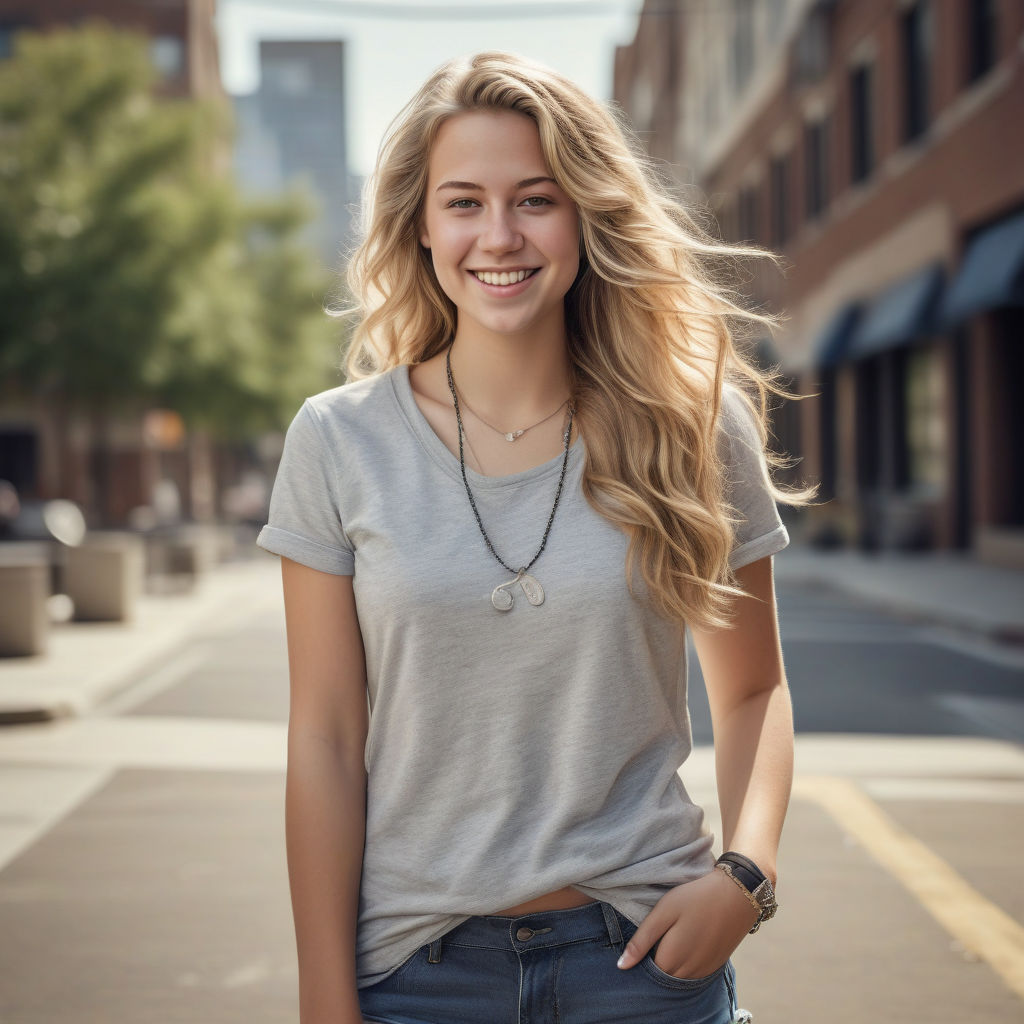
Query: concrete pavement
899,891
945,588
89,662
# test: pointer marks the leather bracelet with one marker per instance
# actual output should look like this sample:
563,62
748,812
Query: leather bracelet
754,883
746,870
726,869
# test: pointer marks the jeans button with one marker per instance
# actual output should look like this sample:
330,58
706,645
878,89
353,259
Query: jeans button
524,933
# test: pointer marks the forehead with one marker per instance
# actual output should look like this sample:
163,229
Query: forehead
487,145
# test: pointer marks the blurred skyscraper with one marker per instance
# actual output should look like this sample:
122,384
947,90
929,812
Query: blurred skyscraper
293,129
878,146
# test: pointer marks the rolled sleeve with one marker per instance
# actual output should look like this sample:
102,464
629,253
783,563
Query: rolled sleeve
304,522
759,531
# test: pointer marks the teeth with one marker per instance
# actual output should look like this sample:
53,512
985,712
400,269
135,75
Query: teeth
503,278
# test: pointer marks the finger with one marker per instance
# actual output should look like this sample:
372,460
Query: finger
641,941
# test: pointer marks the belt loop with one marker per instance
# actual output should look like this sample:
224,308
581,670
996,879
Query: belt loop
611,921
435,952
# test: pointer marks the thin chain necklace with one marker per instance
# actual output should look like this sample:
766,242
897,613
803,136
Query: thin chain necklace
512,435
501,596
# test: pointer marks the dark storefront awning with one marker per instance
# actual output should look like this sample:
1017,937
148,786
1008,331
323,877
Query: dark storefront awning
992,274
903,312
830,348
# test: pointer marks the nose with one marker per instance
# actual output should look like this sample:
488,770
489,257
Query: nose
500,233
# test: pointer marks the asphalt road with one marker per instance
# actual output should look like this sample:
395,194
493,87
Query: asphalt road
156,890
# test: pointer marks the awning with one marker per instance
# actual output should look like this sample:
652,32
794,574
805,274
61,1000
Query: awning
992,274
830,348
903,312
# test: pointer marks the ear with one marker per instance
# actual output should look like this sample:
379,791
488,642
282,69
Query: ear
424,235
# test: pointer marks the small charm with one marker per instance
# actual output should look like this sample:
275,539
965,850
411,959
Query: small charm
513,434
532,589
501,595
501,598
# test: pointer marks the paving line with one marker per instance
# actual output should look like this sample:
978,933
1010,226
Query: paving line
149,686
53,802
978,924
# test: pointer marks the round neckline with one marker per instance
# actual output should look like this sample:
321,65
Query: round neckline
448,460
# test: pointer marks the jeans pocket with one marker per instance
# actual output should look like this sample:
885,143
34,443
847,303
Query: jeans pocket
671,981
663,978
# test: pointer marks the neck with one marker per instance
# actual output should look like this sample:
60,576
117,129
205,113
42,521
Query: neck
514,379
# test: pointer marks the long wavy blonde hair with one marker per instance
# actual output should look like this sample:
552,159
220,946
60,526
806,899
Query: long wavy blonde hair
650,327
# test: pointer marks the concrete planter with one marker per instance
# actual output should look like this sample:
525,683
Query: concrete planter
185,551
103,576
24,588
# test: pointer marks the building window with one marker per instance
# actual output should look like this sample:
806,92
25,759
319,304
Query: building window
749,229
728,226
816,136
286,76
926,431
916,33
742,43
779,178
862,123
982,32
168,55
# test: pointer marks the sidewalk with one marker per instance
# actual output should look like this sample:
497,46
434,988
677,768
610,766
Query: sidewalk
89,662
942,588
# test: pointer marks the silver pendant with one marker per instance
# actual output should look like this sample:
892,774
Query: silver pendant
513,434
502,598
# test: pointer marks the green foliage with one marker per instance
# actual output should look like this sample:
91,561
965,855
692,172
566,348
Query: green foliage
131,273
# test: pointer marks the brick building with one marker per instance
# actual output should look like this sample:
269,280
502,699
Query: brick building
877,145
183,41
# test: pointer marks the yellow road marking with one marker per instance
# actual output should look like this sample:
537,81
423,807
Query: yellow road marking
978,924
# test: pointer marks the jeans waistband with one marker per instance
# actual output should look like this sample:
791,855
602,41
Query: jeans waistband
532,931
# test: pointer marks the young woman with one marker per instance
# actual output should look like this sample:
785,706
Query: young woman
546,465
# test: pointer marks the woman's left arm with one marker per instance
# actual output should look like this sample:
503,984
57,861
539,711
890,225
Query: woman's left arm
702,922
752,719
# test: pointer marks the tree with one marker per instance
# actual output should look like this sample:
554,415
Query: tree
130,273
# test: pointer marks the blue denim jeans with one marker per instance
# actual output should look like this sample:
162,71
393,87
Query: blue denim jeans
548,967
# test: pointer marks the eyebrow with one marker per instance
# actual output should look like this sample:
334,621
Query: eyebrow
469,186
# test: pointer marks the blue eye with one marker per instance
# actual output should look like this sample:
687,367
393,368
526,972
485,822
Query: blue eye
461,204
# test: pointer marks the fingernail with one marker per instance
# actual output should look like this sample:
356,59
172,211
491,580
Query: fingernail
622,961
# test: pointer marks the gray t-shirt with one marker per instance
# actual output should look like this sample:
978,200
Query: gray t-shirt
509,753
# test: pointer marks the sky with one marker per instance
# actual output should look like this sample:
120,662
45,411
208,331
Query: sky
393,45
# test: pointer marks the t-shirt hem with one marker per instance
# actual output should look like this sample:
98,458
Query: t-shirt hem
760,547
375,977
306,552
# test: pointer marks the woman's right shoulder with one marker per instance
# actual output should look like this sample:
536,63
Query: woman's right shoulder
353,406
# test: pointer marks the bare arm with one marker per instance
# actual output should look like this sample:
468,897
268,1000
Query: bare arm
702,922
752,718
325,795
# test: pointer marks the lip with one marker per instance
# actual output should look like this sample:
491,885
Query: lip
504,290
500,270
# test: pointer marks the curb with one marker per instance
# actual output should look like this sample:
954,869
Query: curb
125,652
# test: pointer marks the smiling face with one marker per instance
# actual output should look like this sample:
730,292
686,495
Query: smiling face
503,237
